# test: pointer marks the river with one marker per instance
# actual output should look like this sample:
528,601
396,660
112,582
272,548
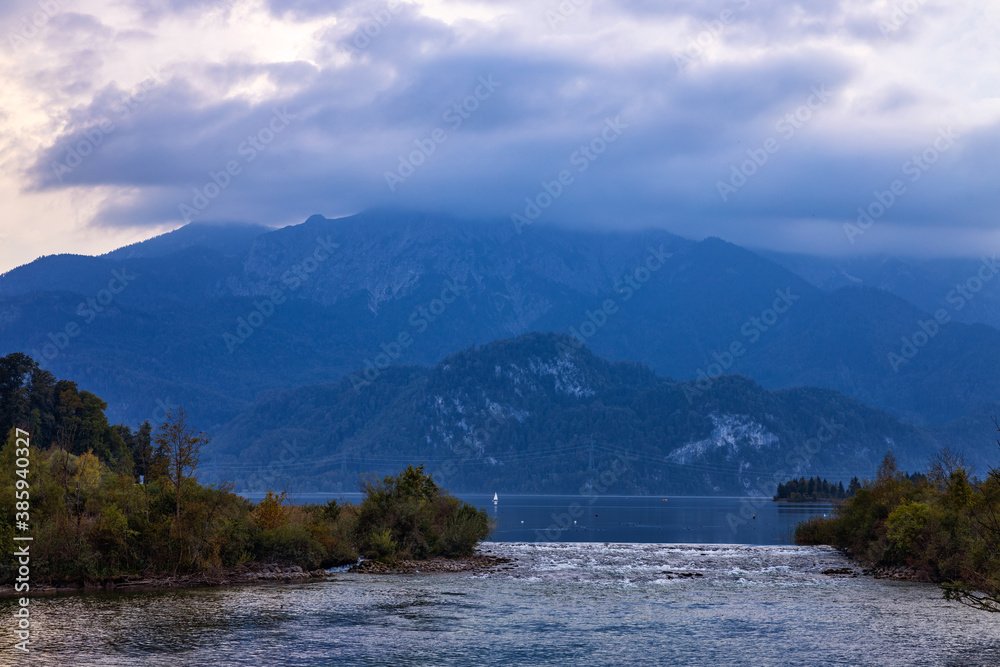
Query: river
558,603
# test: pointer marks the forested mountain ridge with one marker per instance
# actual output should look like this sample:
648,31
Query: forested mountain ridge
540,414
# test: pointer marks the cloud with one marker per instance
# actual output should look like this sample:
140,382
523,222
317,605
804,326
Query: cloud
308,9
700,88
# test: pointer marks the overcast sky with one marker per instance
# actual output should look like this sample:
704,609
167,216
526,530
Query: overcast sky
766,122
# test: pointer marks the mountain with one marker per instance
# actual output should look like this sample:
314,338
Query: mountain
191,319
539,414
966,288
226,238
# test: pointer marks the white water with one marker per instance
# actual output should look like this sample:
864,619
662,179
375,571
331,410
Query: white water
557,604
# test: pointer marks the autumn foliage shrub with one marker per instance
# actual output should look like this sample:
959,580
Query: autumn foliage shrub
944,525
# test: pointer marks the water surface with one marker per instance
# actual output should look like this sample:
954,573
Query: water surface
710,520
558,604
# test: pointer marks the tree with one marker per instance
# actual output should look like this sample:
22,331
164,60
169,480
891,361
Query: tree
140,447
142,450
986,523
943,463
181,447
271,512
16,372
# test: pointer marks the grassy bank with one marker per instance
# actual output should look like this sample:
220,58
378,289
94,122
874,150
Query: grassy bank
944,525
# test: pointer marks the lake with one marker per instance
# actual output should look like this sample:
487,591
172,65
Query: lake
585,599
710,520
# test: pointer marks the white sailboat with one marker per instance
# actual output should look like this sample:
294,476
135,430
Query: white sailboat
495,499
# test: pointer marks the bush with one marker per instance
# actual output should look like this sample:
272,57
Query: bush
409,516
465,528
92,523
905,528
816,530
944,525
381,546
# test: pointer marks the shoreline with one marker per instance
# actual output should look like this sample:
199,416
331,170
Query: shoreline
269,573
475,563
861,568
253,574
899,573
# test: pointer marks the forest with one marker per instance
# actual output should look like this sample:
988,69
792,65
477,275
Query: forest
814,489
104,501
541,414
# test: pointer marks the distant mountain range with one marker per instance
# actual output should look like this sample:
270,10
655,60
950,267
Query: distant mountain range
969,289
211,316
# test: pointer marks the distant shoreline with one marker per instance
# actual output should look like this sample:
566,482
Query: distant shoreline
821,501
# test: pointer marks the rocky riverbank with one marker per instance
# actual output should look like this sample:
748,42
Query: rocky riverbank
476,563
256,573
901,573
243,574
860,567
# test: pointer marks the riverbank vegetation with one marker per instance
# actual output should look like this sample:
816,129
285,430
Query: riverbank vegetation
944,525
106,501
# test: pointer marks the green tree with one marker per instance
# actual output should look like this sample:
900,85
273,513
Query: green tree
181,448
409,516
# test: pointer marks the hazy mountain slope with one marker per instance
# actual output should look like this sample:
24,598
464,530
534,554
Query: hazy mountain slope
231,239
211,325
927,283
